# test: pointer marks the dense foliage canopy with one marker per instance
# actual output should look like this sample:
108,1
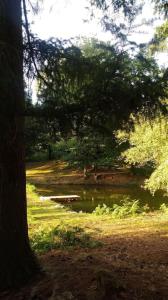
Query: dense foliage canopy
91,89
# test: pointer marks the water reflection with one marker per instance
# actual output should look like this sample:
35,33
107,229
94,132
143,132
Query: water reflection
91,195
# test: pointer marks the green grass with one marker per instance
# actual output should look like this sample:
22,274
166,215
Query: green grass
61,236
54,226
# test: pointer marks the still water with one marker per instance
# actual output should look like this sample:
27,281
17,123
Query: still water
92,195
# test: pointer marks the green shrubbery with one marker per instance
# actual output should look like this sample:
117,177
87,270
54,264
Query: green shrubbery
126,209
164,208
30,189
31,192
80,152
64,149
39,156
61,236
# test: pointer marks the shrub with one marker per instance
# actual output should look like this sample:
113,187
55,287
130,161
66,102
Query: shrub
102,210
31,192
128,208
61,237
30,188
163,208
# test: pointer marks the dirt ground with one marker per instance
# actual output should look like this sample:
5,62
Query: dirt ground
126,267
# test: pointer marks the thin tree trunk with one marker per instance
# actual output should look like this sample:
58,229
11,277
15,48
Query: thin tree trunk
17,262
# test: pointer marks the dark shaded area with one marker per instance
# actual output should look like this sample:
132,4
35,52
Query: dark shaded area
126,267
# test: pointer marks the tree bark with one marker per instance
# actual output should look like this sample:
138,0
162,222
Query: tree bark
17,262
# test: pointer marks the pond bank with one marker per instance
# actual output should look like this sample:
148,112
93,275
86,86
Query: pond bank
130,261
58,172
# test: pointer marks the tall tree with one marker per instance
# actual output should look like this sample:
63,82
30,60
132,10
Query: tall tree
97,86
17,262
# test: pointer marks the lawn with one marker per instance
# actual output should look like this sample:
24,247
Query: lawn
47,215
86,256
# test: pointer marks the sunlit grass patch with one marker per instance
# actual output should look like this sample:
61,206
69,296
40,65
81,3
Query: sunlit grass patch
46,168
53,225
38,172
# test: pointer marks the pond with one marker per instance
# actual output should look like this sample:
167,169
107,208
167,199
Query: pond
92,195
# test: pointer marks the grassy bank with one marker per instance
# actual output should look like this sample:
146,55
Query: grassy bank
118,253
59,172
54,226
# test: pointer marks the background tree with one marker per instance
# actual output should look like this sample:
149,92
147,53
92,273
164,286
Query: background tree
159,42
91,90
148,144
85,106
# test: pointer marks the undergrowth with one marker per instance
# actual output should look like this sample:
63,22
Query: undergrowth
128,208
31,192
61,237
164,208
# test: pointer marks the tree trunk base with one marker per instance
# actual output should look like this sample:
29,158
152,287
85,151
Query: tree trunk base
16,273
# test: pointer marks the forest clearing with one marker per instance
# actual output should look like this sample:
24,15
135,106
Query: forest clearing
83,150
96,256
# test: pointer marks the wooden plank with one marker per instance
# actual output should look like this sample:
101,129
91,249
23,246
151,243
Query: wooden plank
66,197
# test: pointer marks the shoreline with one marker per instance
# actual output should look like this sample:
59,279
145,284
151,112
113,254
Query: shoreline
57,173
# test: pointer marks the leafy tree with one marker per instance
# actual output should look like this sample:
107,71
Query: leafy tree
148,143
96,86
159,42
40,133
17,261
89,91
94,150
129,8
127,11
161,7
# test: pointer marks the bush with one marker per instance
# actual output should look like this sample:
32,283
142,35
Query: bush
61,237
38,156
128,208
163,208
31,192
30,188
64,149
102,210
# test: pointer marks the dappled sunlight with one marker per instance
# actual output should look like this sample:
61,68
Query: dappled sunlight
51,171
88,115
38,172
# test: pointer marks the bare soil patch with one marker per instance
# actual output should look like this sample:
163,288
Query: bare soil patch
128,267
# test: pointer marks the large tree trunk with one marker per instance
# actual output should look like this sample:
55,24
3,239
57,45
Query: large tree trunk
17,262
